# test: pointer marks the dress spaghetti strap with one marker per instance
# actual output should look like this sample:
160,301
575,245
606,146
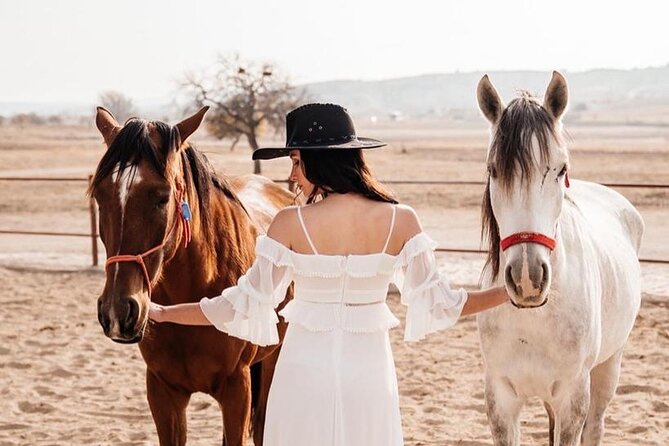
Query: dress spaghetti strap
390,232
304,228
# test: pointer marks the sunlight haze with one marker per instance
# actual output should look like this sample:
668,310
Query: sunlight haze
72,50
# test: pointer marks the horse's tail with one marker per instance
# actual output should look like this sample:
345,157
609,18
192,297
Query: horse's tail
256,383
261,379
635,226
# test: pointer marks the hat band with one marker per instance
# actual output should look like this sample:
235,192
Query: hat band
322,140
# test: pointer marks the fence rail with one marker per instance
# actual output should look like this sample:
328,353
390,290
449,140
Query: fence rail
417,182
59,234
482,251
92,210
481,183
93,235
63,179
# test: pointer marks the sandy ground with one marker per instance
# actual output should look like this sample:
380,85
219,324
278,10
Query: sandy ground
63,382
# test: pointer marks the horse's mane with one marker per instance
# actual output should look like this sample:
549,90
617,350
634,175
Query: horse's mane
133,145
522,123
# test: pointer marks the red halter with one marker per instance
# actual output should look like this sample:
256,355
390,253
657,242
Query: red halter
183,216
527,237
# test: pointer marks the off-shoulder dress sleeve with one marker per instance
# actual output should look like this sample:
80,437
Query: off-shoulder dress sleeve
431,304
246,310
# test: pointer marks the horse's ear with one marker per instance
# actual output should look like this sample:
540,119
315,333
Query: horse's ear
188,126
107,125
490,102
557,96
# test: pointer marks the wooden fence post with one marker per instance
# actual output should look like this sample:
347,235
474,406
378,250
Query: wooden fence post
94,224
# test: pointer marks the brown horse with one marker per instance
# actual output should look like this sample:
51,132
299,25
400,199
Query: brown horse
175,232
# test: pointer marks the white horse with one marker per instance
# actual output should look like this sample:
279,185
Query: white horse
568,257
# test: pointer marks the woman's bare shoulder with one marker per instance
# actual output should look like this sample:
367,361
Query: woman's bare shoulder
407,223
283,225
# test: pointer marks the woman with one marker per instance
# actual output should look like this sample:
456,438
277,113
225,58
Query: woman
335,381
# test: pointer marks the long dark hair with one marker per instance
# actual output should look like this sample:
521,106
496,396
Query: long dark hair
342,171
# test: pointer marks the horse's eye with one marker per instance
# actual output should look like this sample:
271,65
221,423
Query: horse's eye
162,201
563,171
492,171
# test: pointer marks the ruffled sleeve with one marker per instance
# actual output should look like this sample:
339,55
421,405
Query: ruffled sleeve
431,304
246,310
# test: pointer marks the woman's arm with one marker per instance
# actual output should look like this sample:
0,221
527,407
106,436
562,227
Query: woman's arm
191,313
478,301
184,314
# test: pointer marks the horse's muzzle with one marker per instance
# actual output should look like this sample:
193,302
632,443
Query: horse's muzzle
120,321
527,276
528,307
134,340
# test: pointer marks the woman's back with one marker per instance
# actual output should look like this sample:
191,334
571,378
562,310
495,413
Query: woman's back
341,253
344,224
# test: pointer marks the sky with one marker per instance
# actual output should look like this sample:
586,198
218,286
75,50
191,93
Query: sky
71,50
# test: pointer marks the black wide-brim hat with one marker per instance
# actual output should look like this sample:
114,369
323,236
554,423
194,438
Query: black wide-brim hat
318,126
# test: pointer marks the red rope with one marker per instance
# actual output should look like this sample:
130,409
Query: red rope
186,231
527,237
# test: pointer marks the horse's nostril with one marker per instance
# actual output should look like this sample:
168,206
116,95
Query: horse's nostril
510,281
509,276
103,318
545,275
132,314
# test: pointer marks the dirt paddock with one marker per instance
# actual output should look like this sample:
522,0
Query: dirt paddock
63,382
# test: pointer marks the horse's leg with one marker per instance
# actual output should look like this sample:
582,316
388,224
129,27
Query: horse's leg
551,424
570,412
267,366
235,401
168,407
503,407
603,383
224,441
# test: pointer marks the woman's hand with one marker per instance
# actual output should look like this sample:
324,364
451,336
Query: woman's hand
157,312
478,301
184,314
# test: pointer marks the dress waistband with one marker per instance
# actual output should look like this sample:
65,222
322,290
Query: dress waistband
346,304
352,317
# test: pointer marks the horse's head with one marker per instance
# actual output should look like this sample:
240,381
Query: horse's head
139,187
527,177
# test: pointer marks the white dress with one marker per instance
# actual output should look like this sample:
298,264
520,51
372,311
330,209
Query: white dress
335,381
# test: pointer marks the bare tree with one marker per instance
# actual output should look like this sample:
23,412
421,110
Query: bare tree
23,120
247,99
121,106
54,120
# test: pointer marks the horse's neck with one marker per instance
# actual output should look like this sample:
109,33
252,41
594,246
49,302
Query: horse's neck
573,253
211,263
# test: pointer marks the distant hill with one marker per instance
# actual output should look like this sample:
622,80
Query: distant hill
436,95
151,108
441,94
45,108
